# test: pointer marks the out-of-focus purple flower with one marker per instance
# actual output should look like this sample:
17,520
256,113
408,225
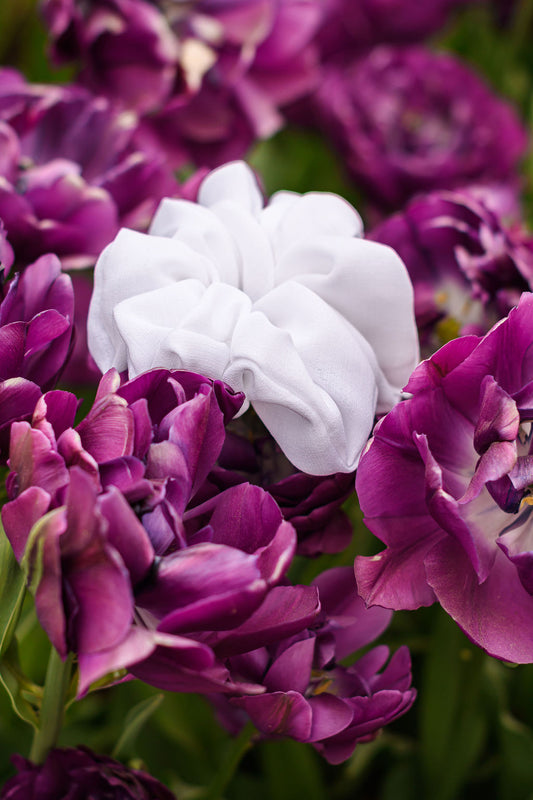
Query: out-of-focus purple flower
455,515
71,171
213,75
127,571
350,26
311,503
36,323
312,698
468,265
408,120
76,773
126,48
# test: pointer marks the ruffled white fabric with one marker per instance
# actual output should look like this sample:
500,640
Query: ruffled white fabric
285,302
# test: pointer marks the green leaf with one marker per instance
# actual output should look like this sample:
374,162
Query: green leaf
12,588
517,754
453,713
293,769
400,782
32,560
133,723
16,685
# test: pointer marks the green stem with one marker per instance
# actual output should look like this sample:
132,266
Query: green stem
53,706
239,747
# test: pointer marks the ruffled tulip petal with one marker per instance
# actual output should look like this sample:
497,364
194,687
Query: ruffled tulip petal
478,608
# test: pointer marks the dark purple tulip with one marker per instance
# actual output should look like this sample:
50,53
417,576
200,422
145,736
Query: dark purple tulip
128,568
77,774
408,120
36,312
72,171
467,264
36,323
456,517
353,26
308,696
213,76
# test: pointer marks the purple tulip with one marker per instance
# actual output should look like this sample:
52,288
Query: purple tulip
36,312
356,26
213,76
468,265
75,773
126,48
408,120
128,569
72,172
308,695
455,518
36,323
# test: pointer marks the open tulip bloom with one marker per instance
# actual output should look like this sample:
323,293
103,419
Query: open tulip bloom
457,516
285,302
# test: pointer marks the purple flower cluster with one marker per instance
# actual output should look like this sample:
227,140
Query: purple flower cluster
157,534
456,515
213,75
132,569
467,264
72,171
76,774
408,120
309,695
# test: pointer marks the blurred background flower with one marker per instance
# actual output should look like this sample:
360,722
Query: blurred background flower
72,172
75,773
208,77
468,256
409,120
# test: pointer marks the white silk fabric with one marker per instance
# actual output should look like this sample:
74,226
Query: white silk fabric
285,302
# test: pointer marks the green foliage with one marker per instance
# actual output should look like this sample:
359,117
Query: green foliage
12,588
133,723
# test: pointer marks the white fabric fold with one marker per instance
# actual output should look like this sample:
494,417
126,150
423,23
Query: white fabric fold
285,302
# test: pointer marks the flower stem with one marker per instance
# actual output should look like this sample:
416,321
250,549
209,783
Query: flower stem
239,747
53,706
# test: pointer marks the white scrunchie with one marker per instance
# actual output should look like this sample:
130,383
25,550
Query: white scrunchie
285,302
